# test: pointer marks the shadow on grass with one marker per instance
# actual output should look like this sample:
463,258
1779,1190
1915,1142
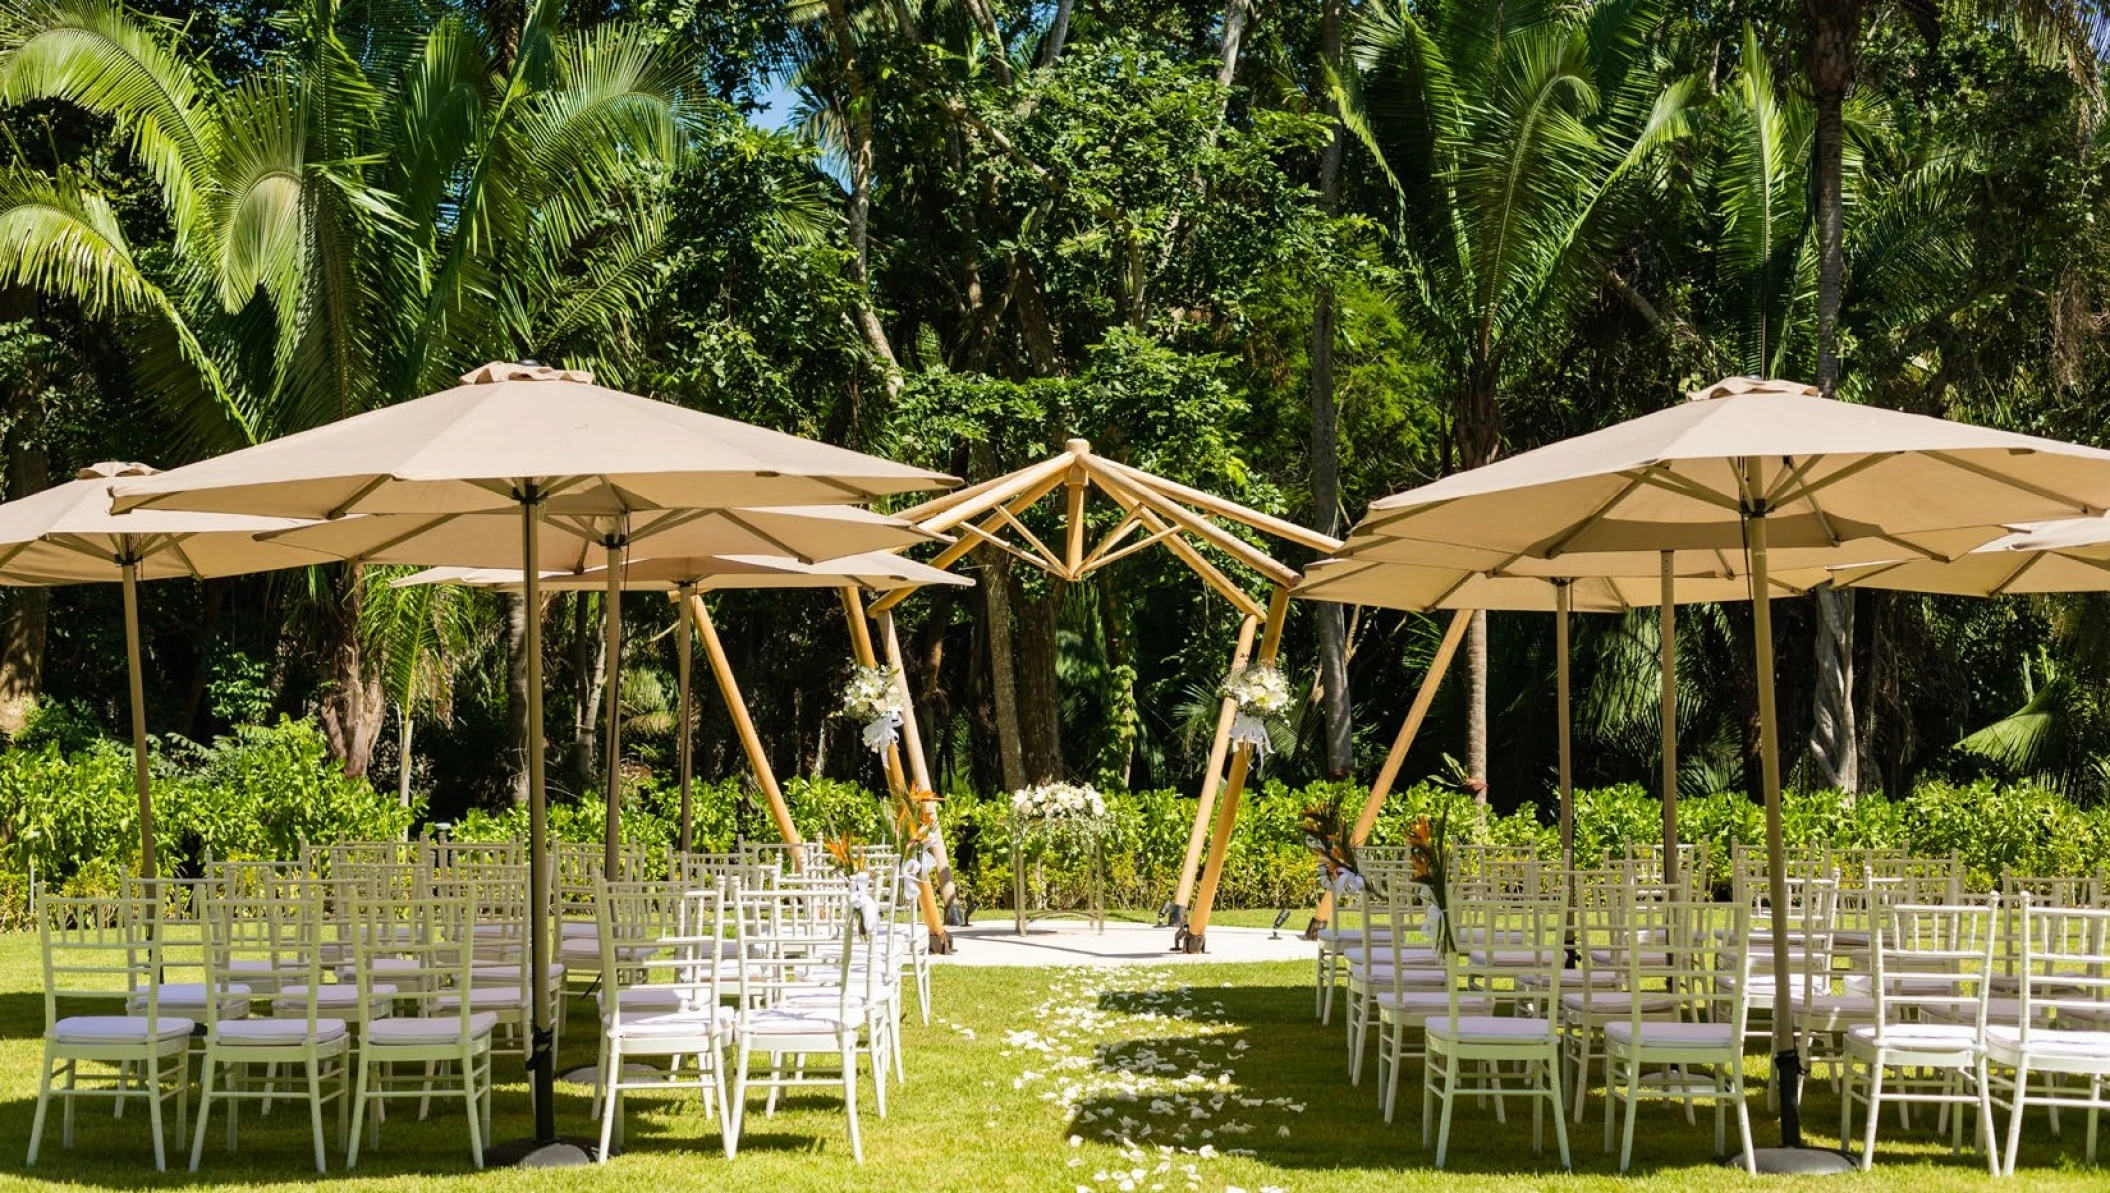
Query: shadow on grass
1293,1077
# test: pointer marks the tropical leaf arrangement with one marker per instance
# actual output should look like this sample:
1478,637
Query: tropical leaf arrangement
1429,857
847,850
1326,834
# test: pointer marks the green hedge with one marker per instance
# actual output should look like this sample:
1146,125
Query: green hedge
69,816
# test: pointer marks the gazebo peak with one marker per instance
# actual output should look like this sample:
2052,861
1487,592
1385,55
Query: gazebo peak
1077,447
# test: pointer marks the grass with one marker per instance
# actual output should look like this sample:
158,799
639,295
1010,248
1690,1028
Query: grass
985,1110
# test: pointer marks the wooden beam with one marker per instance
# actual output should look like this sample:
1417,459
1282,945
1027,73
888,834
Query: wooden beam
1073,554
744,725
1193,559
941,514
1227,808
897,779
1212,774
1210,503
1388,774
1216,536
1048,558
958,549
1140,544
1119,532
939,883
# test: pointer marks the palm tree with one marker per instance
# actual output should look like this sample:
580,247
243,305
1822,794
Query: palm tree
1509,134
345,228
417,636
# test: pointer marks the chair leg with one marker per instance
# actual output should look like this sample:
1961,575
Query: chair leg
1985,1118
205,1075
1743,1121
849,1050
1875,1115
153,1077
610,1098
36,1127
725,1115
1633,1106
736,1108
1450,1101
322,1163
1560,1117
351,1147
2014,1118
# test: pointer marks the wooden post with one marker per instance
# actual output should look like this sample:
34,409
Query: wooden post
940,882
685,743
1562,595
1227,808
612,618
744,725
1668,652
1388,774
897,778
1212,774
135,676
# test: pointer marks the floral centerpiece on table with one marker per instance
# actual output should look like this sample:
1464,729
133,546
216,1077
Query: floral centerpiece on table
873,697
1428,852
1262,695
1058,803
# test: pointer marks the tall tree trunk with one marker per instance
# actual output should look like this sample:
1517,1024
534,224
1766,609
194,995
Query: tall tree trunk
857,214
1117,765
1039,699
1325,449
589,658
1834,29
1479,433
353,705
403,732
517,694
995,587
27,625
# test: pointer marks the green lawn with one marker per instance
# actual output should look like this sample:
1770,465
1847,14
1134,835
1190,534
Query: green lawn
1235,1054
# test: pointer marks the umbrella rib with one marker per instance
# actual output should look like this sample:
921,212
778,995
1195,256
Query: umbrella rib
1341,576
2085,510
81,546
1463,579
734,517
358,495
1377,522
667,521
2001,588
1824,520
1881,569
15,550
1683,486
1560,542
175,548
1792,477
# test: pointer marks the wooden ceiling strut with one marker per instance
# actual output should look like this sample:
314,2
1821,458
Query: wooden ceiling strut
1303,536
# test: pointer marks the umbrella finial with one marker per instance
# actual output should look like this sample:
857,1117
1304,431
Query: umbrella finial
111,469
493,372
1730,387
1077,447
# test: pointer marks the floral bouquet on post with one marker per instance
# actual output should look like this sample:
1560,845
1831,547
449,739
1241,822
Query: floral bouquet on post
1262,694
873,697
1428,851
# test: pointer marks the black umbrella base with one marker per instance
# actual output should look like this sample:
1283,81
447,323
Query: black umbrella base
591,1074
565,1151
1797,1161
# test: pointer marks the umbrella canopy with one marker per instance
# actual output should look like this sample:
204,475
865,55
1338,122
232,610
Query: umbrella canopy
1845,483
67,535
586,450
1390,585
2067,556
878,571
1745,465
574,543
540,443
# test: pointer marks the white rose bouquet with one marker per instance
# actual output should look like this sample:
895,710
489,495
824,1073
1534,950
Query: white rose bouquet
873,696
1051,803
1263,696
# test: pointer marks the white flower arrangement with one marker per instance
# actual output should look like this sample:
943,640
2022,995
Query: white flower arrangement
1262,694
1058,802
873,696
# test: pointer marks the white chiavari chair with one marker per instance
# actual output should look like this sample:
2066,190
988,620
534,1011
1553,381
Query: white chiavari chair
1472,1031
1924,957
434,941
268,924
104,953
2063,980
1405,983
1599,993
663,998
1344,940
1696,1053
499,979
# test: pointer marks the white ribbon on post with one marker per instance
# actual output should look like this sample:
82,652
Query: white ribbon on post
882,732
1249,729
861,899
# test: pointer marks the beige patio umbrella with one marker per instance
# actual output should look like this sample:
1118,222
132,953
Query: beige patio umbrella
538,444
67,535
2065,556
1747,466
876,571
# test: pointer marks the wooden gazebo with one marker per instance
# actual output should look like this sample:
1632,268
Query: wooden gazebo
1155,512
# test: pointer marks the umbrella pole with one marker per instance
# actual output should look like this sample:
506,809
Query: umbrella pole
684,744
542,1059
1562,595
612,617
1787,1062
142,777
1667,651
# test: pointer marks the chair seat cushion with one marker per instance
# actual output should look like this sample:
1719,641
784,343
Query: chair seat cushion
117,1029
1997,1010
406,1032
1489,1029
268,1032
799,1021
1618,1002
188,999
1598,978
1672,1034
496,999
1916,1038
675,1024
1517,958
330,995
553,973
2067,1051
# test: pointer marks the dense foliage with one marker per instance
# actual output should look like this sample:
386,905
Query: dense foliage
1302,255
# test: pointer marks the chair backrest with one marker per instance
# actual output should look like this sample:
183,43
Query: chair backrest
179,921
274,928
666,936
441,856
2065,965
1684,949
1932,957
429,942
498,900
790,935
100,951
1523,965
